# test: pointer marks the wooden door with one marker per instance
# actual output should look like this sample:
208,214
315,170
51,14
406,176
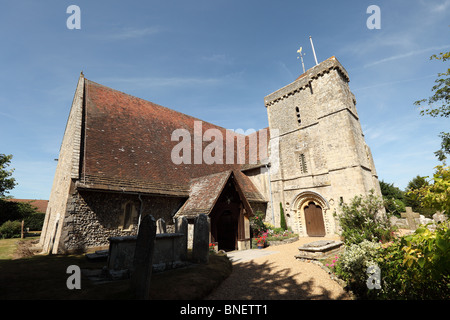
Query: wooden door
314,220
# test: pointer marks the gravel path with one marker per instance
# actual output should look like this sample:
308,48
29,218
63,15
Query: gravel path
278,275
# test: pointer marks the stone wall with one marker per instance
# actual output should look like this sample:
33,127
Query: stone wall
66,170
93,217
321,145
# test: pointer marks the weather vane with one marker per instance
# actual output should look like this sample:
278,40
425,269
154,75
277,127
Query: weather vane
301,57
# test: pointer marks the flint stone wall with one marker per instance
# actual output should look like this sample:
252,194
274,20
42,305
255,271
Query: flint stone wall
94,217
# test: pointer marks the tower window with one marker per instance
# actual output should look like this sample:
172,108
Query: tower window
297,111
302,161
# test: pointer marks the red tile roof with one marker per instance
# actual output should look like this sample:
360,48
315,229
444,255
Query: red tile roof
128,146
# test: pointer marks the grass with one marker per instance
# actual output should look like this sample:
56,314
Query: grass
43,277
7,248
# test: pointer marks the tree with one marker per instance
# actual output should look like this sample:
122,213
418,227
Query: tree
413,200
439,104
393,198
436,195
282,218
6,181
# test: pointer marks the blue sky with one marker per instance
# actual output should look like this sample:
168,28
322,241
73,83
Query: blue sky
216,60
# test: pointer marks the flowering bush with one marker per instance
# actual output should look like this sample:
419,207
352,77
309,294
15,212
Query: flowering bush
363,219
333,264
257,224
212,247
353,263
262,239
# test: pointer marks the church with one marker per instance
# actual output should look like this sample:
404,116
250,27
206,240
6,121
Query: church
123,157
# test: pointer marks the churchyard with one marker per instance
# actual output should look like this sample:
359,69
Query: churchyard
48,276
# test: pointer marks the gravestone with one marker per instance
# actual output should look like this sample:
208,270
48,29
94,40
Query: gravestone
412,218
200,246
143,257
161,226
439,217
181,226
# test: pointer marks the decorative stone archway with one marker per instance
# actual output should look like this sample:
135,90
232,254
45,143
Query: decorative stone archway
306,200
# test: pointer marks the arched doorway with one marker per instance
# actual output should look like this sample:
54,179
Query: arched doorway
311,214
227,231
315,226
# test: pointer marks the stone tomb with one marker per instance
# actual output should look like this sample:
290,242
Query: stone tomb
168,253
320,249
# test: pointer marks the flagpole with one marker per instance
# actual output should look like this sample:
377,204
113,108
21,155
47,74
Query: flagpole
314,52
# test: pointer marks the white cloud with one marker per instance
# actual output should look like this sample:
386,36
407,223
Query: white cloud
442,7
151,82
132,33
406,55
219,59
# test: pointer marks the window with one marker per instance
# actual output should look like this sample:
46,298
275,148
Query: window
297,111
302,161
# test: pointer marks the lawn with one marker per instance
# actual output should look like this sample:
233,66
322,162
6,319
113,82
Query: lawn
7,248
44,277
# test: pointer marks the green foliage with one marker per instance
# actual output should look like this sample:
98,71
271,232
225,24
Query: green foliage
442,153
413,200
439,104
442,92
393,198
34,221
436,195
416,266
353,263
363,219
10,229
257,224
389,191
282,218
394,206
10,210
6,182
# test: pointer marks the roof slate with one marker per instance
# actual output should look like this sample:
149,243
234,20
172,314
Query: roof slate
128,146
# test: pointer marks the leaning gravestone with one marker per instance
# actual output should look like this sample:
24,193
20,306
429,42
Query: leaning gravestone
161,226
181,226
412,218
200,246
143,257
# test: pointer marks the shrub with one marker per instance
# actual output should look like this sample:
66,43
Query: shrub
257,224
353,263
363,219
10,229
282,218
12,211
416,266
35,221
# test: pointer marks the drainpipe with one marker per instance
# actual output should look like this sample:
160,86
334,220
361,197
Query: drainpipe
140,210
270,191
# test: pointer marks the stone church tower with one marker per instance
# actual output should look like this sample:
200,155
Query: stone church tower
322,158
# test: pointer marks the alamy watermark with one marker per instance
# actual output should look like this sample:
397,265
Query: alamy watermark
74,280
374,20
236,147
374,280
74,20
